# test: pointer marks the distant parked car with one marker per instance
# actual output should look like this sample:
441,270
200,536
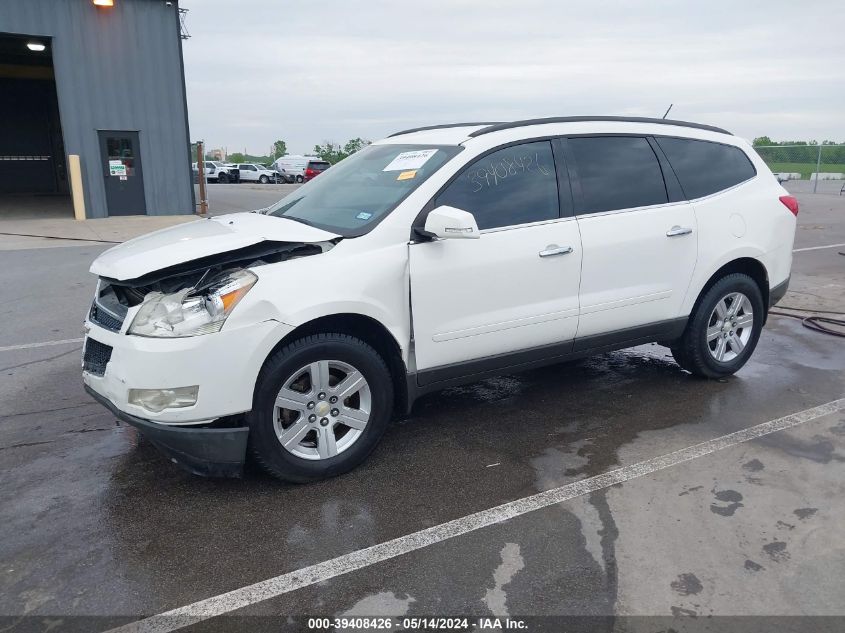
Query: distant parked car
216,171
252,172
281,176
314,168
284,175
294,165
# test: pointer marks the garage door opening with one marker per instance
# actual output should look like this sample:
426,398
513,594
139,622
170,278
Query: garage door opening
33,170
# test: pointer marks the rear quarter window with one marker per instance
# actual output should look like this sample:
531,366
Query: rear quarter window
704,167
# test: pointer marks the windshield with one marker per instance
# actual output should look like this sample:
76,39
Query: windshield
354,195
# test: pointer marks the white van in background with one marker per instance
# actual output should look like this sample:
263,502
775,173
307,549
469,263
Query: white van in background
294,165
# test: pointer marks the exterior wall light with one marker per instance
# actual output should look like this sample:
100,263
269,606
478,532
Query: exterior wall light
36,46
103,3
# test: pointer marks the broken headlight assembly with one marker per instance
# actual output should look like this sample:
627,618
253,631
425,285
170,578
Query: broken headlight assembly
200,309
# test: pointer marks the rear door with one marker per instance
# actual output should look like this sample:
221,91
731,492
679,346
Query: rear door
248,172
515,288
639,235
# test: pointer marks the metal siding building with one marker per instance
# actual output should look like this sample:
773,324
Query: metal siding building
116,68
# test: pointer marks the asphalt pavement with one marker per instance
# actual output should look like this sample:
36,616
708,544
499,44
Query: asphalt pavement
667,520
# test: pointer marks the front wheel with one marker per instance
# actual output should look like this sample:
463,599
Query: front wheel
321,405
263,180
223,179
723,329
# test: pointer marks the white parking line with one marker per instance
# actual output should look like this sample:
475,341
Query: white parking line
817,248
291,581
66,341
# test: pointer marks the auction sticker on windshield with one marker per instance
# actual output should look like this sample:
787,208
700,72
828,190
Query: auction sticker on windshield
410,160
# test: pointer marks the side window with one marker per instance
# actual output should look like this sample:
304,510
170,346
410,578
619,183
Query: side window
617,172
513,185
703,167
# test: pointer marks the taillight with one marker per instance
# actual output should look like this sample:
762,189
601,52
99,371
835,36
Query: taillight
310,173
791,203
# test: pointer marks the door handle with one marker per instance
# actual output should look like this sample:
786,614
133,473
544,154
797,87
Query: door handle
552,250
676,230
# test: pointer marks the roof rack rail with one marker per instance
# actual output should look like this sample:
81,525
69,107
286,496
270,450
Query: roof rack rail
579,119
444,126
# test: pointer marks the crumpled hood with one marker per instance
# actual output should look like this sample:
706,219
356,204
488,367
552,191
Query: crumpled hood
202,238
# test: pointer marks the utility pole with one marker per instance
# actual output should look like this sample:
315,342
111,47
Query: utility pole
203,205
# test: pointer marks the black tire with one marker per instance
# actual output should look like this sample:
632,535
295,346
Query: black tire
263,180
300,178
693,352
264,445
222,179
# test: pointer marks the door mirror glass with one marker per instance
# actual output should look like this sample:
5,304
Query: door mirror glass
449,223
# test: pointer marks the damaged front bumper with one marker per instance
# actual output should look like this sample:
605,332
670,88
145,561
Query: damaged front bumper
211,452
224,365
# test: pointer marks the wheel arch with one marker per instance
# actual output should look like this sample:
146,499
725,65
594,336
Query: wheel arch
369,330
750,266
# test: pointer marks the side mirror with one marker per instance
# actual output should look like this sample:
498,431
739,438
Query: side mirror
449,223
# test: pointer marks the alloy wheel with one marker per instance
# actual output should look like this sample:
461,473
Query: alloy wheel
322,409
730,327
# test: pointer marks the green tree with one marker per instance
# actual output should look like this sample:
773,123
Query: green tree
328,151
237,157
354,145
280,148
334,152
762,140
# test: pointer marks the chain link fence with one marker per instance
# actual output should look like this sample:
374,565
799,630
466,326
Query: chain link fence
822,167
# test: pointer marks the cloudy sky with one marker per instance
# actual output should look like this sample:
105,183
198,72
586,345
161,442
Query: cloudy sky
315,70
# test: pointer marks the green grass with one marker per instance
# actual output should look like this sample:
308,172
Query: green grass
805,169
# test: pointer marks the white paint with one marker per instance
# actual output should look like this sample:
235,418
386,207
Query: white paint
477,298
512,564
66,341
200,238
326,570
817,248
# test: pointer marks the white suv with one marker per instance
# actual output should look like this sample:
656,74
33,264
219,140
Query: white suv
435,257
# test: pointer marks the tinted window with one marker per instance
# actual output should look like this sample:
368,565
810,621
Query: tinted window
318,166
703,167
514,185
617,172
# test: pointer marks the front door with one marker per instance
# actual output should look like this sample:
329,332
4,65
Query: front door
513,290
639,238
121,168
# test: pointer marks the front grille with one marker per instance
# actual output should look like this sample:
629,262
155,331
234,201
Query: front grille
107,310
96,357
101,317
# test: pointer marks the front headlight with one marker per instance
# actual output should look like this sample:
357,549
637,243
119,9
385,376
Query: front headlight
193,311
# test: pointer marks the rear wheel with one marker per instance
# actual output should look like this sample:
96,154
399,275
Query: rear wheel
321,405
724,328
300,178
